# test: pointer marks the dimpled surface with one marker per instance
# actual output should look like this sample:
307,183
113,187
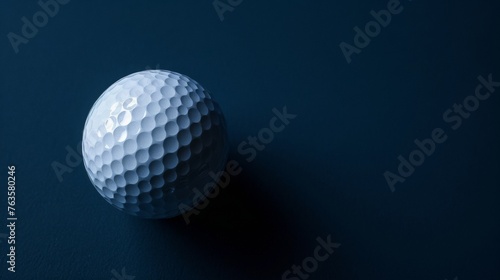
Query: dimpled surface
152,138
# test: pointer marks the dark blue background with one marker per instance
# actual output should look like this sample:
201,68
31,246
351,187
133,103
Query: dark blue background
322,175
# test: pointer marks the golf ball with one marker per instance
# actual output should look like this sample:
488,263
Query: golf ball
152,138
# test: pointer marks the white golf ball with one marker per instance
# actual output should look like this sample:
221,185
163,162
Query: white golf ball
151,139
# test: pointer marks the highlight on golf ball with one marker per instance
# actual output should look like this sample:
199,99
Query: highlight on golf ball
151,139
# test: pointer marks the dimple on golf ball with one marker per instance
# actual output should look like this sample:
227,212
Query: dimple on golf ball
151,139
